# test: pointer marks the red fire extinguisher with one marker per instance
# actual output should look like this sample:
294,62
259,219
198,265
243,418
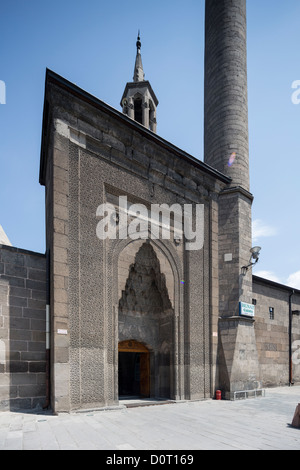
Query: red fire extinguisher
218,395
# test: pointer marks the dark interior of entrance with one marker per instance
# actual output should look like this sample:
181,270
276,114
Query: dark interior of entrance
129,374
134,374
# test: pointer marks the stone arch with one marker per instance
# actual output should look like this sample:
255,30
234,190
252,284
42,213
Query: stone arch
122,254
137,95
146,313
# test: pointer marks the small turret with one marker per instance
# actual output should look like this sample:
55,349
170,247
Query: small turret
139,101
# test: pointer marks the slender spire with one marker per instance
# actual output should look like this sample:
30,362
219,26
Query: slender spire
138,75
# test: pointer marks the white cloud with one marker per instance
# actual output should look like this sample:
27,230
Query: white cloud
260,229
268,275
294,280
3,238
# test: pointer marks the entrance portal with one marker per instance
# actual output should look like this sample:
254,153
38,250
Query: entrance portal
145,313
134,369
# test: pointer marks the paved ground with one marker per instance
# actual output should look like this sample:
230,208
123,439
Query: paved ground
259,423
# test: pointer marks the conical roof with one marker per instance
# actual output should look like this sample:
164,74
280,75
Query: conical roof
138,75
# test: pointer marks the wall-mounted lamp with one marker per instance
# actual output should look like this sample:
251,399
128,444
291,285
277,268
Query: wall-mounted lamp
255,251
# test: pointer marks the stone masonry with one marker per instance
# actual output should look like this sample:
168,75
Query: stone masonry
277,332
176,309
91,154
226,149
22,329
225,89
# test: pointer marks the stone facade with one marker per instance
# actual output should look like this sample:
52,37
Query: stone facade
94,155
277,332
22,329
146,306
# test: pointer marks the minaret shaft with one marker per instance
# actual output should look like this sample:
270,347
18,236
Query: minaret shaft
226,149
226,102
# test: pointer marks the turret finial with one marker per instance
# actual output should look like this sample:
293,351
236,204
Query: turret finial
138,75
138,42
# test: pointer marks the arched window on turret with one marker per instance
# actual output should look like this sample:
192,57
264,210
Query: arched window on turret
138,111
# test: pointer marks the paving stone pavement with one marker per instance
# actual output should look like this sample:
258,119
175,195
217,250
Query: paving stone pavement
253,424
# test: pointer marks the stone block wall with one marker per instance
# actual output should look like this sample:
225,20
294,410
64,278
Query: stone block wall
272,332
22,328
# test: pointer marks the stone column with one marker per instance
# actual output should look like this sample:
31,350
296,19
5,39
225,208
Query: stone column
130,108
226,149
153,122
145,113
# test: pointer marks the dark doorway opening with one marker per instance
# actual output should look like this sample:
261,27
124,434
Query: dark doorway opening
129,374
134,370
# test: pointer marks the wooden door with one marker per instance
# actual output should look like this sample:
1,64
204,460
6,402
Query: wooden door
145,375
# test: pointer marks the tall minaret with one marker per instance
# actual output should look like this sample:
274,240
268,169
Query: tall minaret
226,95
139,101
226,149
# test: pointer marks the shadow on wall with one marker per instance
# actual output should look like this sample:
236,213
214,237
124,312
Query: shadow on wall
22,329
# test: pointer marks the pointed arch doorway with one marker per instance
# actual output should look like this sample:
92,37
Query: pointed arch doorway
146,316
134,369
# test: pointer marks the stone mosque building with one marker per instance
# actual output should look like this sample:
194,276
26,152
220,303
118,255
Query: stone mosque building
115,309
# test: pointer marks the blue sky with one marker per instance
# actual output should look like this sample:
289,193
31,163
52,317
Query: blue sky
92,44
